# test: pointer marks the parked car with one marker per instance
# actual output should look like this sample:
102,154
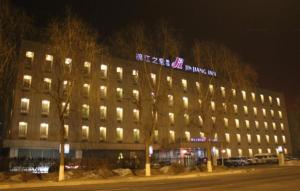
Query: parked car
252,160
264,158
236,161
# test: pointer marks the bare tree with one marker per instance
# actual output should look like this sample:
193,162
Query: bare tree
13,26
234,73
72,43
159,41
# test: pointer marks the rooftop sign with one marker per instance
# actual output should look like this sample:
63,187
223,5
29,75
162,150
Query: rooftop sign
178,63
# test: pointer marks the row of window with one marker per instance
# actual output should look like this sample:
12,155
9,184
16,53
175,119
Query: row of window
241,152
119,71
44,128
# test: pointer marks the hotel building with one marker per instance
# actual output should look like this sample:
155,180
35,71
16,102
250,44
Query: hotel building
102,118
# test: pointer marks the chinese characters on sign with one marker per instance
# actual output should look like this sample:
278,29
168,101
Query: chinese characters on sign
177,64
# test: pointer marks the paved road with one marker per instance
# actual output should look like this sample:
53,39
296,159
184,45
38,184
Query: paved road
265,179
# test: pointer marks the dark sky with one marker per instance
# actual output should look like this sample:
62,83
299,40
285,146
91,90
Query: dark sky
266,33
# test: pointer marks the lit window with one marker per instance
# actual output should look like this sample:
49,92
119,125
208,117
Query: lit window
235,108
45,107
155,137
237,123
272,112
119,132
240,152
266,125
135,76
264,112
285,151
280,114
86,90
255,111
274,126
270,100
169,81
171,118
186,118
136,115
22,129
103,92
202,135
25,105
256,124
119,73
249,138
223,91
103,71
119,114
66,131
87,68
198,87
246,110
278,101
200,102
136,135
250,151
258,139
65,109
200,120
103,112
85,132
44,130
171,100
228,151
153,78
276,139
66,87
238,138
213,119
225,122
211,88
247,123
172,136
187,136
269,150
224,107
244,95
262,98
47,84
68,66
212,105
267,138
259,150
29,59
102,136
135,94
119,93
48,63
85,111
253,96
227,137
184,84
27,81
233,92
185,102
282,126
283,139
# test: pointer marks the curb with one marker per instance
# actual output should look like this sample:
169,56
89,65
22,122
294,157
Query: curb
107,181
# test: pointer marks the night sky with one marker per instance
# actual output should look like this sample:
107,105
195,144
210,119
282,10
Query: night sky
265,33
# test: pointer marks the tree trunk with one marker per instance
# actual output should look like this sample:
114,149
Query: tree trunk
61,175
148,160
208,165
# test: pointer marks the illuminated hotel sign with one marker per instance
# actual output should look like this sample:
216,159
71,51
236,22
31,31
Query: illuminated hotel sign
203,139
178,63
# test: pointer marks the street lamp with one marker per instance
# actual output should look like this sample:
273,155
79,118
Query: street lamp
223,152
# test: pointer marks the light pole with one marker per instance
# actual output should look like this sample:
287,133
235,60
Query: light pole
223,152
